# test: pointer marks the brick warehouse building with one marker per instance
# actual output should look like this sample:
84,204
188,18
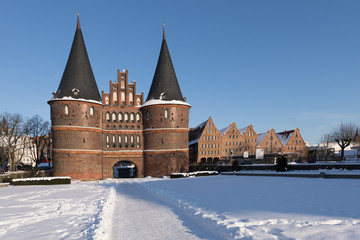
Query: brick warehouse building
210,145
92,133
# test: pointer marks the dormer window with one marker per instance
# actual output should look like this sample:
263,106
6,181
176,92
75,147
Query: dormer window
75,91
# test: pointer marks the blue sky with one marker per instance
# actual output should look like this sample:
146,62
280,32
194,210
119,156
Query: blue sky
278,64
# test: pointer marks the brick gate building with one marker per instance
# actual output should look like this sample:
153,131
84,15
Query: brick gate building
93,133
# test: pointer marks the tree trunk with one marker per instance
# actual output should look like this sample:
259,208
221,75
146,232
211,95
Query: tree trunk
342,154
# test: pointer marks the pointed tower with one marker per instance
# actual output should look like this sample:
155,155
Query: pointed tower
76,117
166,119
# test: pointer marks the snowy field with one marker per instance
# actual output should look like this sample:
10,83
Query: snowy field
216,207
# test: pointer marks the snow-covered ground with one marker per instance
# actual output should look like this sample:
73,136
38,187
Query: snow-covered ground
216,207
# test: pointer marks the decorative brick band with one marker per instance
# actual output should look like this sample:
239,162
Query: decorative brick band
166,130
167,150
75,128
77,151
120,130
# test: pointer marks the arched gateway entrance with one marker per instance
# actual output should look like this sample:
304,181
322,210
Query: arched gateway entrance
124,169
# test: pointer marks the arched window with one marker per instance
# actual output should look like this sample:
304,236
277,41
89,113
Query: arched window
107,139
138,101
122,97
138,139
114,97
107,116
119,139
113,117
122,84
126,117
147,115
166,113
126,139
138,117
120,117
91,111
131,99
131,139
66,110
132,117
106,100
113,139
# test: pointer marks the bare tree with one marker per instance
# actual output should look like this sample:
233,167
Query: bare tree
323,151
325,139
11,132
343,135
37,129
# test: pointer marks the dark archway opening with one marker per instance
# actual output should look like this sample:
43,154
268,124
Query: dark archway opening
124,169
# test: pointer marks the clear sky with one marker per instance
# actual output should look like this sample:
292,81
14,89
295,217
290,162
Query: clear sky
279,64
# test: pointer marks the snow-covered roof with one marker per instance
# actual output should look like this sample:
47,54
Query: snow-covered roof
195,134
69,98
164,102
242,130
223,131
285,136
261,137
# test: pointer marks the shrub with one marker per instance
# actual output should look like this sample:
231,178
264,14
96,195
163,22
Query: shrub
205,173
179,175
41,181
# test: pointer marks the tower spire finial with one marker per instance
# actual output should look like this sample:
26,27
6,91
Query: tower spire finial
163,31
78,20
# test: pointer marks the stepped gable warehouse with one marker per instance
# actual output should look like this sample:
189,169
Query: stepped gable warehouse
92,134
208,144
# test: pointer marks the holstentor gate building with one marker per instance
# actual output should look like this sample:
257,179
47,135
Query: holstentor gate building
92,133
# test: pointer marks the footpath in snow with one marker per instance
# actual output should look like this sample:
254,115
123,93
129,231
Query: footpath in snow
140,215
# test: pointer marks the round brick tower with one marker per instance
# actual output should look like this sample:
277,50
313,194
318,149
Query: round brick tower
76,117
166,120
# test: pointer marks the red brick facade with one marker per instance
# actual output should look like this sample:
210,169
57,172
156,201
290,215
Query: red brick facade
90,138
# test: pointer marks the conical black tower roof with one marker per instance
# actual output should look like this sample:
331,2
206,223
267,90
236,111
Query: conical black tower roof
165,85
78,80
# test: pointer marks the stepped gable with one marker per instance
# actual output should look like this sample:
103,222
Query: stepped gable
78,80
165,85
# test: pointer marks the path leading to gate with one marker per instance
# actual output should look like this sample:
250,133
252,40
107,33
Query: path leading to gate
139,215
